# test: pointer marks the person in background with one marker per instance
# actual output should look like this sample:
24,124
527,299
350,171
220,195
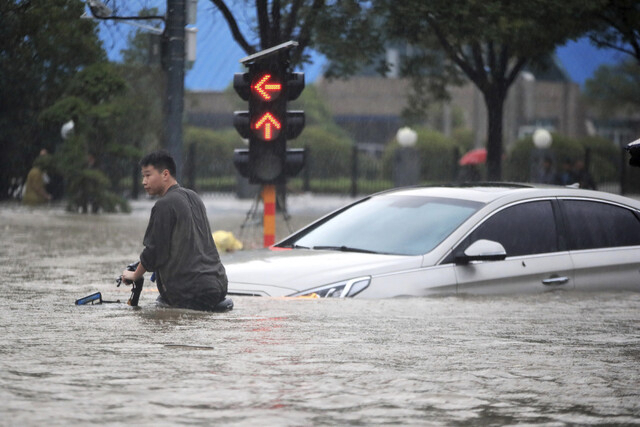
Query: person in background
546,175
178,245
583,177
35,192
567,177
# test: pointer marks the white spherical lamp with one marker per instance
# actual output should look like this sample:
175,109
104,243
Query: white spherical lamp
542,138
406,137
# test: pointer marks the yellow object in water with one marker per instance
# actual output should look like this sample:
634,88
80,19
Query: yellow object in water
225,241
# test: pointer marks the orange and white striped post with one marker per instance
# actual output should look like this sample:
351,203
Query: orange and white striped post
269,215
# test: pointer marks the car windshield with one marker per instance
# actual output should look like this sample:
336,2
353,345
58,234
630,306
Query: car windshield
391,224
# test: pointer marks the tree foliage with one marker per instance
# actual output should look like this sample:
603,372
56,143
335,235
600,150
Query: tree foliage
490,41
146,94
618,27
343,30
43,43
98,102
614,89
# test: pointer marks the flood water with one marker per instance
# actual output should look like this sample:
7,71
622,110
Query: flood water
550,359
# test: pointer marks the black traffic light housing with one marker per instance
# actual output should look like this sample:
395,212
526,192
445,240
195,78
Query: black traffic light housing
268,86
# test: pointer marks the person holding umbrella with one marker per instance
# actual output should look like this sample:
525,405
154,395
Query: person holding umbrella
469,162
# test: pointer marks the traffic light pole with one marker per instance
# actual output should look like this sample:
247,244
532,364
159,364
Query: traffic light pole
269,214
268,86
174,67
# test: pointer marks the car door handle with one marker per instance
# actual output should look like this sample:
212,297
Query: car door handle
555,281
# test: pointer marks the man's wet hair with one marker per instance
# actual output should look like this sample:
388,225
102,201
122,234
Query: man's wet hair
161,160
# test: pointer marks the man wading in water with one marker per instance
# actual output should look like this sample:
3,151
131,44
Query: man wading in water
178,245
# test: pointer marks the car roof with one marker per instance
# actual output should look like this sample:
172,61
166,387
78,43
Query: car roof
490,192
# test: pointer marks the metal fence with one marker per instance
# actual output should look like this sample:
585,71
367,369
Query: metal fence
364,170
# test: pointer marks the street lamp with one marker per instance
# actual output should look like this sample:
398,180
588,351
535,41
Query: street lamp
541,166
407,167
542,139
406,137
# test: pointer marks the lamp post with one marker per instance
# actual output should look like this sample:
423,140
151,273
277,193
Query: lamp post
407,165
542,166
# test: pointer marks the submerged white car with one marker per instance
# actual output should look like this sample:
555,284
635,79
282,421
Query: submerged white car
498,238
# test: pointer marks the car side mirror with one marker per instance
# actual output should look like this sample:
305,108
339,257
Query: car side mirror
482,250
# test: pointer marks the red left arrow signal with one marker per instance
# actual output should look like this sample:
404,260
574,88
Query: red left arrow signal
263,87
268,123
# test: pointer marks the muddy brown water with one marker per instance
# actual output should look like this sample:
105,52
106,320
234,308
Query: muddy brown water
551,359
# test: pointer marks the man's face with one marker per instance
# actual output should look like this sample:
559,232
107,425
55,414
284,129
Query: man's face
153,180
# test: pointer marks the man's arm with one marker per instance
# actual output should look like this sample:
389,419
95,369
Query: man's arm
157,238
132,276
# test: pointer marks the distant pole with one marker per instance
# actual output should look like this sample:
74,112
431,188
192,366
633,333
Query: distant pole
174,67
354,170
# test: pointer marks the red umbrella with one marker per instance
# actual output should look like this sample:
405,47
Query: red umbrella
474,157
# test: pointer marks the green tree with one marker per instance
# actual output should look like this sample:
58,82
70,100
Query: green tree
615,88
490,41
213,151
146,91
98,102
436,154
43,44
345,31
618,27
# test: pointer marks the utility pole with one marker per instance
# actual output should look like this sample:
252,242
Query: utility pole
174,63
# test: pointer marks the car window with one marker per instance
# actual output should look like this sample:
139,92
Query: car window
398,224
600,225
525,229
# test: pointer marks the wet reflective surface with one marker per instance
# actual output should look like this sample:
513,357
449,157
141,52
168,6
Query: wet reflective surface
553,359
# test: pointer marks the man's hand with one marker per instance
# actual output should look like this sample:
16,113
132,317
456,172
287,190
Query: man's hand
129,277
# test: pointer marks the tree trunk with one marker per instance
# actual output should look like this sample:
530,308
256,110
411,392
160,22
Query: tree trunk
494,101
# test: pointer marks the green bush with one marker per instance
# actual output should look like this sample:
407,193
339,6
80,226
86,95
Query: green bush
437,153
464,139
85,187
329,153
518,164
604,158
213,151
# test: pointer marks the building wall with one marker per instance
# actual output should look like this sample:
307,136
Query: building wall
364,96
529,104
212,110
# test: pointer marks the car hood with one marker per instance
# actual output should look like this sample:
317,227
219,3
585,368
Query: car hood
285,272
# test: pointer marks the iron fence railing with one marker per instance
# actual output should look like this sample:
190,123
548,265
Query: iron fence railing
364,171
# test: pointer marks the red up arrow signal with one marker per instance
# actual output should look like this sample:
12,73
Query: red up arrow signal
263,88
268,122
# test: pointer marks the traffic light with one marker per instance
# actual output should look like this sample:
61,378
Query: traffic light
268,86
